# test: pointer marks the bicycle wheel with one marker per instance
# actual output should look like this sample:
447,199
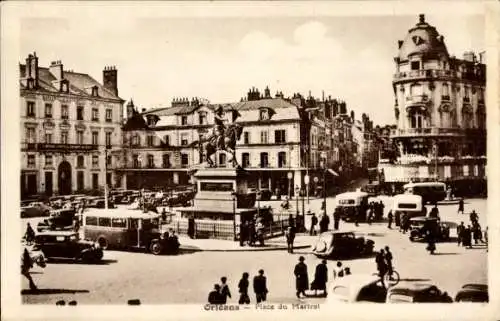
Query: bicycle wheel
391,279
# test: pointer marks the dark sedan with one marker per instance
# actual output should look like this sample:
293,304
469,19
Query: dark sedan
342,244
67,245
473,293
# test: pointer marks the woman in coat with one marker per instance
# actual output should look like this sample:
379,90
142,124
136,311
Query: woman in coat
301,277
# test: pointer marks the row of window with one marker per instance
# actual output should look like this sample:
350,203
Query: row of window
63,139
31,112
279,137
80,161
418,89
166,163
264,160
420,120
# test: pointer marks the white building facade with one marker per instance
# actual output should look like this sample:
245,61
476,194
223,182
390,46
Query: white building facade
70,127
440,113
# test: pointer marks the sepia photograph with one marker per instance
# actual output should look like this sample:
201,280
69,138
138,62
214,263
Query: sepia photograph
249,161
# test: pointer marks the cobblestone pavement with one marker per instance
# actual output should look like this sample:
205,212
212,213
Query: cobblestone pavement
187,278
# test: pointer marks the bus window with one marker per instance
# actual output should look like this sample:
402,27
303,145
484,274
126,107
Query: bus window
118,222
104,221
407,205
91,220
134,224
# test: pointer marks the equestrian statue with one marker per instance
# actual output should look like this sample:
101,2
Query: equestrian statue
224,137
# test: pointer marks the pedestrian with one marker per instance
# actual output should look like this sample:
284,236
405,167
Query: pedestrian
214,297
347,271
323,223
460,233
388,260
26,264
320,278
224,290
290,237
476,232
336,218
381,210
338,272
301,277
397,219
243,233
381,264
461,206
369,215
473,217
243,289
251,232
434,212
291,221
260,287
164,215
389,217
191,227
431,243
468,236
29,236
314,221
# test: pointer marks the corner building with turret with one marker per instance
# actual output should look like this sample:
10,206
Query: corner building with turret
440,114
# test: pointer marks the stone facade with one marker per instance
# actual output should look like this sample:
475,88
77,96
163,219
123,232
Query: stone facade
440,111
67,121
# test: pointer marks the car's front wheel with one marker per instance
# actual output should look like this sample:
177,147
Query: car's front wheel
103,243
155,247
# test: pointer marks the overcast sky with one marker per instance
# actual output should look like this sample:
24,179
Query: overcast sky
220,58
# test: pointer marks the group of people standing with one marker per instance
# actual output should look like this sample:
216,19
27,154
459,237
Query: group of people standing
465,234
221,293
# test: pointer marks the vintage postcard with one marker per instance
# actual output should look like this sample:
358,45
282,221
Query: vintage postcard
207,160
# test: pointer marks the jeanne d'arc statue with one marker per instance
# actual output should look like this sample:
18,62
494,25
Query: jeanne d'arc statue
224,136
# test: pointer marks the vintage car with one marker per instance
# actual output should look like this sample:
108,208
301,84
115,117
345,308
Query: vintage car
352,204
58,219
356,288
35,209
422,225
342,244
473,293
99,202
413,292
68,245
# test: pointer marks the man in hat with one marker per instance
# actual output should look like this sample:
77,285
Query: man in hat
320,278
260,286
301,277
214,297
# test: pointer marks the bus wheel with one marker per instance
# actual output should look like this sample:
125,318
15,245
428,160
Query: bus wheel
155,247
103,243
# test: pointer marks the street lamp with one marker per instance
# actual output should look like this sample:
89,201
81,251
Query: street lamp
289,176
306,181
233,196
297,192
323,165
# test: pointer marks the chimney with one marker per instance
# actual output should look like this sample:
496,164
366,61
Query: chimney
400,44
421,18
469,56
56,69
110,79
267,93
130,109
32,68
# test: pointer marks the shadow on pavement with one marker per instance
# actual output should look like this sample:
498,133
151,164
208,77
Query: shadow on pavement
52,291
71,261
188,250
445,253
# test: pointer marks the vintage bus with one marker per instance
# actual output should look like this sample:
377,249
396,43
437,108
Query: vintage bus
125,229
351,204
411,205
431,192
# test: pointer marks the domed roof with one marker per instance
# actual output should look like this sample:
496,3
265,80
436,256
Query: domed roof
422,39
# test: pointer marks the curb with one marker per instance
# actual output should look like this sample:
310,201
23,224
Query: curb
276,248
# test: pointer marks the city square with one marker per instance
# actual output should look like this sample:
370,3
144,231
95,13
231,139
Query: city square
157,279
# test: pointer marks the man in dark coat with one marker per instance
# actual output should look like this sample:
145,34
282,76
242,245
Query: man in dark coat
214,297
336,218
473,217
30,234
381,264
301,277
224,290
243,233
323,223
320,278
290,237
389,217
460,233
191,227
260,287
314,222
461,206
243,289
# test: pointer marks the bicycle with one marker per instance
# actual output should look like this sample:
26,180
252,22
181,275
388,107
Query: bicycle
391,278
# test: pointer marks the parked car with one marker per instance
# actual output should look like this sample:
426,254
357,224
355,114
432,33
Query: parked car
342,244
473,293
413,292
99,202
420,226
59,219
356,288
68,245
35,209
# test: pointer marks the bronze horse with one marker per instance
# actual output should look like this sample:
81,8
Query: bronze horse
231,135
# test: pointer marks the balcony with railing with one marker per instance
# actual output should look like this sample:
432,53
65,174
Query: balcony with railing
58,147
430,131
417,100
437,73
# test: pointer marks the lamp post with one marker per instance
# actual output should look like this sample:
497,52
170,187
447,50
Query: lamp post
106,177
306,181
323,165
233,196
289,176
297,194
